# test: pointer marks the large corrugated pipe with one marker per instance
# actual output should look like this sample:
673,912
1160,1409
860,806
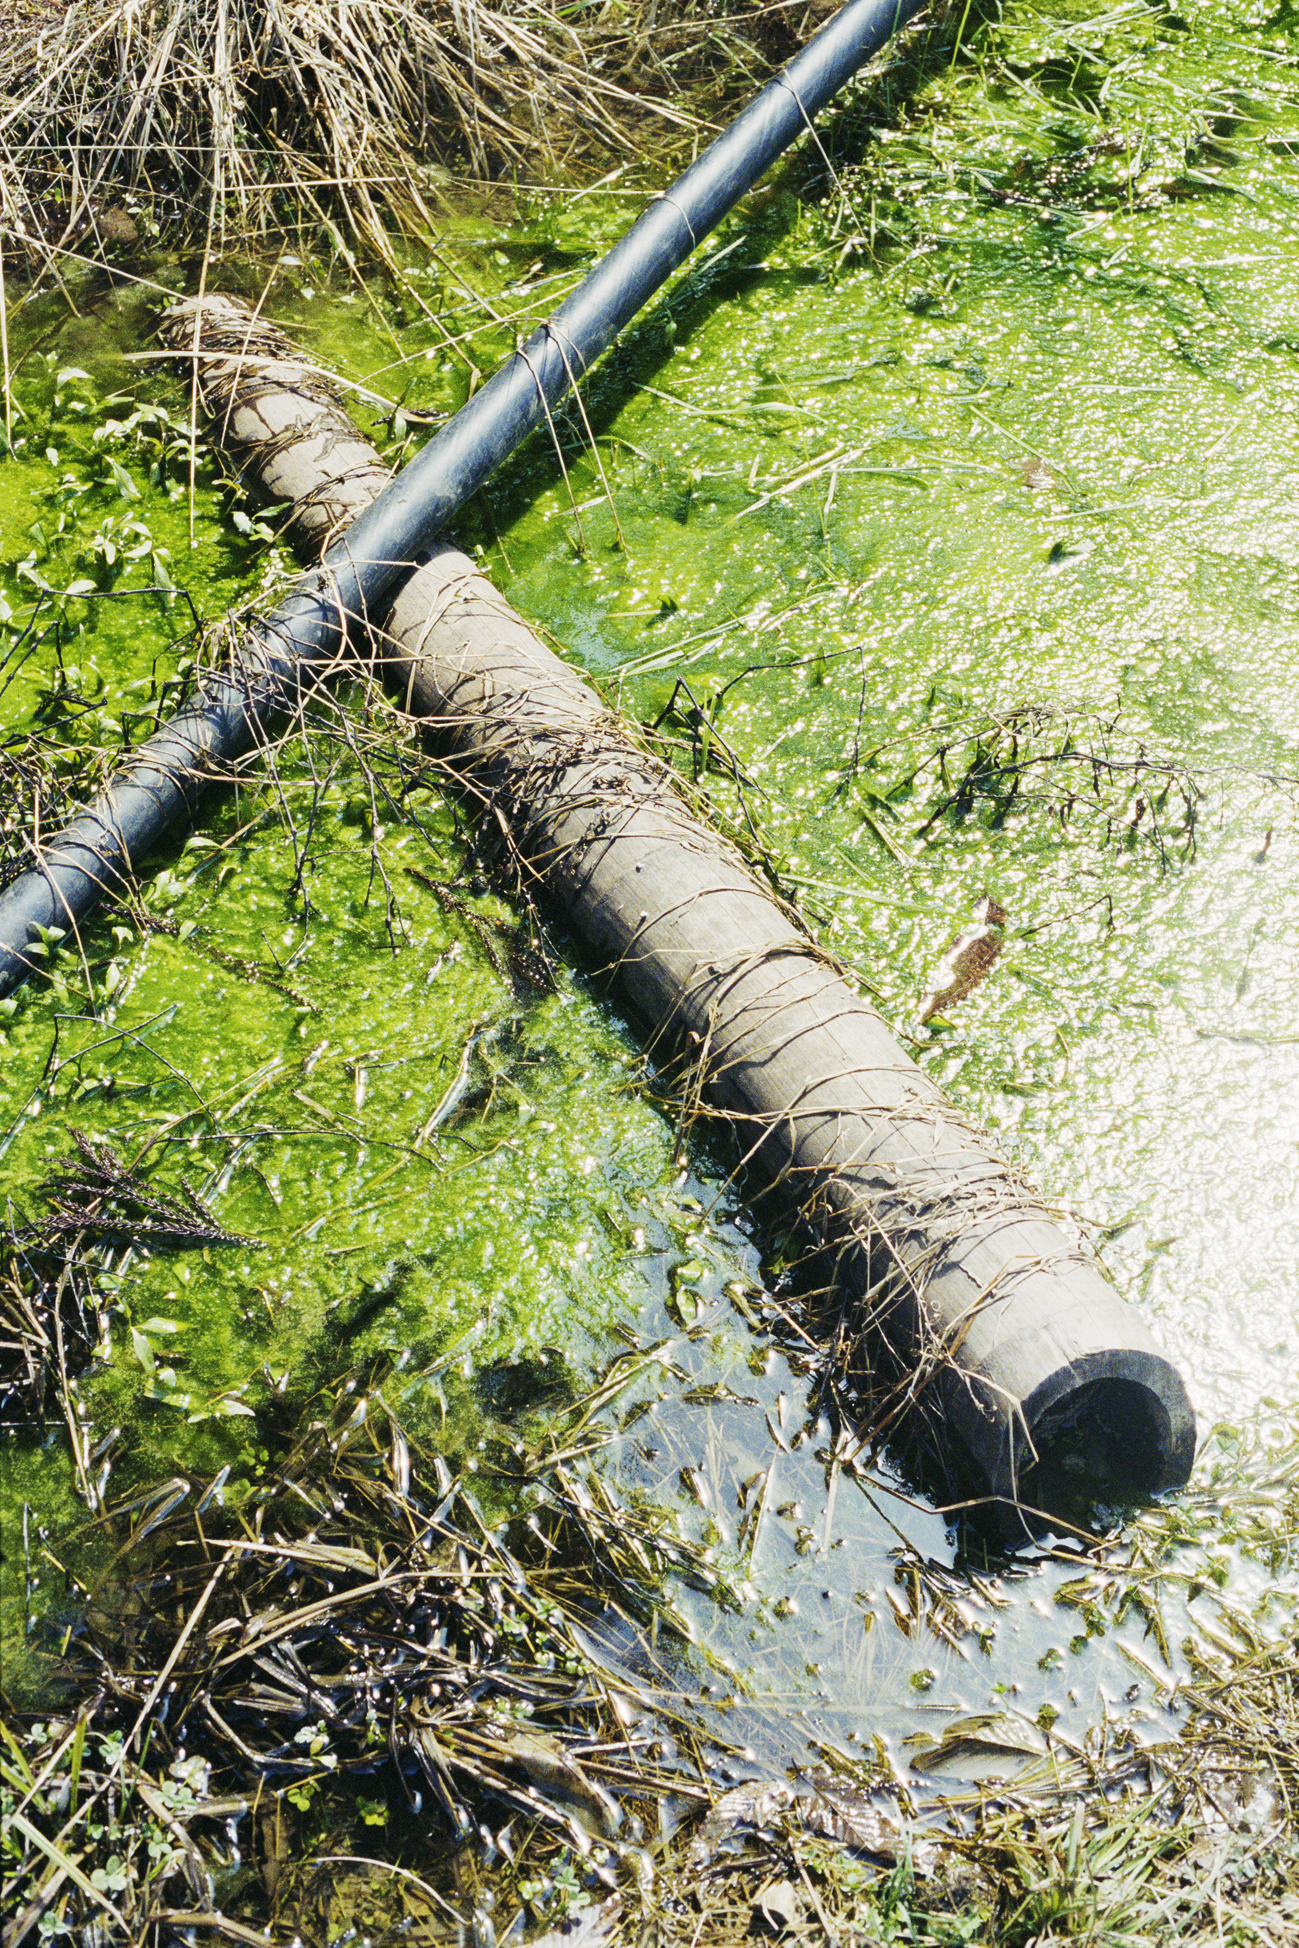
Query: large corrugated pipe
230,711
1020,1354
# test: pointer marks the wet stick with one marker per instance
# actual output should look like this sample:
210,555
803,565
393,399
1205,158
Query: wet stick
4,354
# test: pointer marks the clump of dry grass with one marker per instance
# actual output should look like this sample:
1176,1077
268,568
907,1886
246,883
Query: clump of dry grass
237,121
364,1691
397,1677
352,1642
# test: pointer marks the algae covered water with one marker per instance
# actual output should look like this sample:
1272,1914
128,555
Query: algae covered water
944,515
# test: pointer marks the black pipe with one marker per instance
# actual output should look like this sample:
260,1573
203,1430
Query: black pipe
230,712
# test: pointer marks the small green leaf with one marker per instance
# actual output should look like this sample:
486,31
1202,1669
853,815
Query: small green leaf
227,1404
122,480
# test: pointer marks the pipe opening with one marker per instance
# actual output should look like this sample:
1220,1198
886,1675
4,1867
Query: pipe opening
1106,1443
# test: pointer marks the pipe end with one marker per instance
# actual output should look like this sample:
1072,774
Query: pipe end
1111,1429
1116,1438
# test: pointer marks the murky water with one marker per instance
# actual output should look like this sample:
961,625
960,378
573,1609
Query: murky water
995,441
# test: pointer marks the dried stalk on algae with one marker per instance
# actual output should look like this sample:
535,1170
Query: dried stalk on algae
969,960
234,120
1008,1337
99,1198
52,1316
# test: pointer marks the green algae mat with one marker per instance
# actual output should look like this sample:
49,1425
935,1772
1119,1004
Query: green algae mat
943,519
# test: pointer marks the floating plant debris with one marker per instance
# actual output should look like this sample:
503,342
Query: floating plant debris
969,959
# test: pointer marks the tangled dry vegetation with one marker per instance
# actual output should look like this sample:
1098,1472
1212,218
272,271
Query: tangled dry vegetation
238,122
363,1695
366,1694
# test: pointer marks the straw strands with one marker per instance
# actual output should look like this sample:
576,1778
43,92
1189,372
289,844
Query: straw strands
275,1687
233,121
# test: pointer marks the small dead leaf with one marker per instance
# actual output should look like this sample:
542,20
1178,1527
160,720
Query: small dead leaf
968,960
841,1812
744,1809
119,226
779,1906
590,1928
987,1745
545,1765
274,1849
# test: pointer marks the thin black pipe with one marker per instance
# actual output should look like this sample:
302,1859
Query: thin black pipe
231,711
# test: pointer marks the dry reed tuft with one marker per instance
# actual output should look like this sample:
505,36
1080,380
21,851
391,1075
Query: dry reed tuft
234,123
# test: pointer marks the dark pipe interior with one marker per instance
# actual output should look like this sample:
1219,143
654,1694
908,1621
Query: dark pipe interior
1103,1446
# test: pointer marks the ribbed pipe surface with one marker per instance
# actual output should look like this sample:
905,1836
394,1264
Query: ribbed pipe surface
1014,1344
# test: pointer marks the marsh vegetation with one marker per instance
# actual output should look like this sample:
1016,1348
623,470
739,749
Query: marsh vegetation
432,1504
